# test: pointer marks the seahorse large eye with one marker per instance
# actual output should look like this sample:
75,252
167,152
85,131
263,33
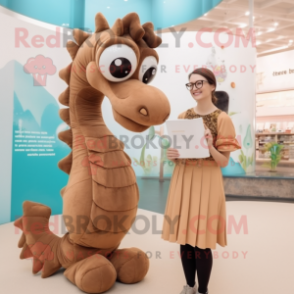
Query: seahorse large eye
118,62
148,69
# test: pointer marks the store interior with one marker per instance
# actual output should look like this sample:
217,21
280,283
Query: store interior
272,125
274,113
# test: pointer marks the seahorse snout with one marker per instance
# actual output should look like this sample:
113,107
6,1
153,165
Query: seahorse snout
144,111
137,106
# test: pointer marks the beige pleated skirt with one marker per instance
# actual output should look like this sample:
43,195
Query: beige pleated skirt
195,210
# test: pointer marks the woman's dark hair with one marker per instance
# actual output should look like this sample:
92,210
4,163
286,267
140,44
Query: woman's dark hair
209,75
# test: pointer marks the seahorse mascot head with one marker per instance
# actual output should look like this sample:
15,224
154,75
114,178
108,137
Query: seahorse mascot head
119,63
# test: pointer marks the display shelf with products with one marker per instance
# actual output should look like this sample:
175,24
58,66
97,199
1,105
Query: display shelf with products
286,139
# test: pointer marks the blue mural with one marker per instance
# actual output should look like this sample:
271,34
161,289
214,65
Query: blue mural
36,147
233,169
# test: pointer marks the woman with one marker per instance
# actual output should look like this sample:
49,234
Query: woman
195,213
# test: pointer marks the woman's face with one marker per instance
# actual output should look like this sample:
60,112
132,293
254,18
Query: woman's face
204,92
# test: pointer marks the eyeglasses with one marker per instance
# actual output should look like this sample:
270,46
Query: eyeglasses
198,84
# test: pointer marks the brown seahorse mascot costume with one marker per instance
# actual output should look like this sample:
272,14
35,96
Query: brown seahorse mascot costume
101,198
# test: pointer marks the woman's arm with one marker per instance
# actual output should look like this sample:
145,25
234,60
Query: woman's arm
226,141
221,157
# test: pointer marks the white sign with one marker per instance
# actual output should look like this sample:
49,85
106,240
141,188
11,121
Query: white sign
188,137
275,72
276,103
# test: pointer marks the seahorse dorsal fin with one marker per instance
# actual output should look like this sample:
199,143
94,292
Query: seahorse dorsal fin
64,73
64,97
101,23
150,38
80,36
72,49
118,27
64,115
132,23
66,163
66,137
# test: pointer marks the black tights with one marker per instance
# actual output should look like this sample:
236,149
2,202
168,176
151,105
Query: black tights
194,258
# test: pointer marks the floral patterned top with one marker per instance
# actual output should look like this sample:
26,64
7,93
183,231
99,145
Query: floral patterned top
221,127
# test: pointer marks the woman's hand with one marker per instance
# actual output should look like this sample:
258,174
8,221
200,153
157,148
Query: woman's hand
208,136
172,154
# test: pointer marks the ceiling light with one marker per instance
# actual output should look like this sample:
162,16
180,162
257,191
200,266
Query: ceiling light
275,49
108,7
271,29
205,14
247,13
290,41
243,25
276,23
259,33
258,43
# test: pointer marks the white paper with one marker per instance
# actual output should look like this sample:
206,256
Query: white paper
187,135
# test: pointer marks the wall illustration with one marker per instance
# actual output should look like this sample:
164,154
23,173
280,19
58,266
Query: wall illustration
260,76
216,63
36,147
40,67
242,161
247,159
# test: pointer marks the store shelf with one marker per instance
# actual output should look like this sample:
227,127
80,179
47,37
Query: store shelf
273,134
280,138
268,159
290,161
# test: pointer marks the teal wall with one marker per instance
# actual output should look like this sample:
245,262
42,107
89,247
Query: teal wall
166,13
81,13
118,9
78,14
56,12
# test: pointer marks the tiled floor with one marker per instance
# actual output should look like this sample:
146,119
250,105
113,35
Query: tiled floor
259,257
